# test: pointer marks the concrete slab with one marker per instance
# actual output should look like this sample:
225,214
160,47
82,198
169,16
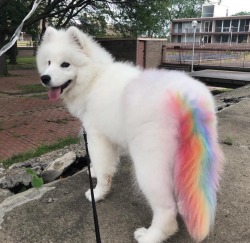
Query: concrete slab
222,78
242,92
68,218
222,74
234,123
233,211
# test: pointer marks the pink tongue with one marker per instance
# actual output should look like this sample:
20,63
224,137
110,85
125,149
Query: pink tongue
54,93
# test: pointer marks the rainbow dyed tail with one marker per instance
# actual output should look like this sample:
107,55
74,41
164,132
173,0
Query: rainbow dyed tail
198,167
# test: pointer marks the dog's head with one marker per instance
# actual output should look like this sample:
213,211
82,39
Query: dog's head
67,58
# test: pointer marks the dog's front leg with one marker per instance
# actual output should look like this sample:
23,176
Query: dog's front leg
104,158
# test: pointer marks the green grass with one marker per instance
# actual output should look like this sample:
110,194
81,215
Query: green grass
23,63
220,90
26,60
228,141
43,149
32,88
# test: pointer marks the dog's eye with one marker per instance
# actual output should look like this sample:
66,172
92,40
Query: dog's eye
49,62
65,64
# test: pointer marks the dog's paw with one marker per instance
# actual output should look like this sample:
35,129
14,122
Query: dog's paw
97,194
143,235
140,234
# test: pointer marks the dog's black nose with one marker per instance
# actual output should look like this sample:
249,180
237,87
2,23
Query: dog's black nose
45,79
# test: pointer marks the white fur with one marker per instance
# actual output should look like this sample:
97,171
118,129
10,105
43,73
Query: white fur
122,106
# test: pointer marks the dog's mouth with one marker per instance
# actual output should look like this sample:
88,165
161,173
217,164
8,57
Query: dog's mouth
55,92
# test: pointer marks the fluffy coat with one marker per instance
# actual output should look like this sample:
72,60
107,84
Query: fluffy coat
165,120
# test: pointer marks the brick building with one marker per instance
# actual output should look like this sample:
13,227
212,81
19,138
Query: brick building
215,26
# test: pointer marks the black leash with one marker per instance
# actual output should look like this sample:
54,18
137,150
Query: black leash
97,230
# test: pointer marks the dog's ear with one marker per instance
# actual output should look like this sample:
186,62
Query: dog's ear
50,31
80,39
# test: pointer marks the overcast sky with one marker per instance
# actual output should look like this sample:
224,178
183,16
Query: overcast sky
236,6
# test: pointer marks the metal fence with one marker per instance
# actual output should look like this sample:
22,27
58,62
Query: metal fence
223,56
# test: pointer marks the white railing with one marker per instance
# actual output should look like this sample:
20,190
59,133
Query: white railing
226,29
187,30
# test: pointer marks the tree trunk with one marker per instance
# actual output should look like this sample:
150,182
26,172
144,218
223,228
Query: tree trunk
42,30
2,2
13,54
3,63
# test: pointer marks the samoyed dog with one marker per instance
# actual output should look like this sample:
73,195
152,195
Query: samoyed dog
165,119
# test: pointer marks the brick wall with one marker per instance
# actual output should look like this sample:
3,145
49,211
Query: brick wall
121,49
127,50
153,54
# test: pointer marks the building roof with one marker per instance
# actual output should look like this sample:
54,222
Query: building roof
211,18
130,39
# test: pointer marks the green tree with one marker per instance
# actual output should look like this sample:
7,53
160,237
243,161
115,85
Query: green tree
58,13
93,20
129,18
140,18
241,13
8,10
185,9
2,2
18,9
152,18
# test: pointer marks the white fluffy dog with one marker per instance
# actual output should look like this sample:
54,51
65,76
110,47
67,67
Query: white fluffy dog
165,119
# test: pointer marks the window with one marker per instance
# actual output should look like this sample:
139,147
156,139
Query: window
242,39
218,26
225,39
235,24
207,26
226,26
242,25
218,38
